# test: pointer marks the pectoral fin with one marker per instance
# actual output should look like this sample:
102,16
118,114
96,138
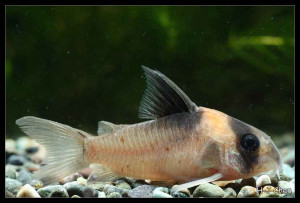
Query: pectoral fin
199,182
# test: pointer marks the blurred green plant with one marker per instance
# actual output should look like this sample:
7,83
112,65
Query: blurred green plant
81,64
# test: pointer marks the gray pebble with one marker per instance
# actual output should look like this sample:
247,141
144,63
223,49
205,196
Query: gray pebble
9,194
16,160
229,193
183,191
73,188
143,191
208,190
247,191
108,189
96,185
32,150
114,195
53,191
89,192
12,185
37,184
123,185
263,180
161,192
24,176
138,183
10,171
269,195
179,195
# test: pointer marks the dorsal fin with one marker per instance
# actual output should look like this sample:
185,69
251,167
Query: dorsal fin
163,97
106,127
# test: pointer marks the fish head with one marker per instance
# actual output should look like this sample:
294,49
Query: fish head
252,152
245,151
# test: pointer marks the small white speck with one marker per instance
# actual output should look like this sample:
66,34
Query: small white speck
68,52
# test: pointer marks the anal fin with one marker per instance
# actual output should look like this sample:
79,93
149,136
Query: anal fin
212,178
101,173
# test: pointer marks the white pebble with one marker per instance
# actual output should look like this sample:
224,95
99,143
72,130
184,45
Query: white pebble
160,193
81,181
28,191
263,180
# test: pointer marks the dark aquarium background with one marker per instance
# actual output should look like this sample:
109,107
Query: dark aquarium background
78,65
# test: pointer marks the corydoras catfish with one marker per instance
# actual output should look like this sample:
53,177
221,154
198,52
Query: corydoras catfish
180,143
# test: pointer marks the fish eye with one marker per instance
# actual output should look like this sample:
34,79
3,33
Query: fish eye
250,143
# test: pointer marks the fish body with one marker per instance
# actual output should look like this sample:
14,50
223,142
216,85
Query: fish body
181,142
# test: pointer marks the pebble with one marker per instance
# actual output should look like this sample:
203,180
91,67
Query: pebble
81,181
32,150
28,191
114,195
288,172
268,191
123,185
248,182
108,189
40,155
12,185
37,184
184,191
101,195
247,191
73,188
288,186
138,183
161,192
96,185
208,190
24,176
179,195
9,194
16,160
70,178
10,171
263,180
86,172
143,191
229,193
235,186
10,146
30,166
53,191
75,196
24,142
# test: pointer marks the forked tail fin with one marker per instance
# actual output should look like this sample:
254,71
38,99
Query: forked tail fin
64,147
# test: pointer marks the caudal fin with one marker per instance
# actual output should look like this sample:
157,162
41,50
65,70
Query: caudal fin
64,147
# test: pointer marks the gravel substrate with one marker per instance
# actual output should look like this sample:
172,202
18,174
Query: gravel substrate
23,157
